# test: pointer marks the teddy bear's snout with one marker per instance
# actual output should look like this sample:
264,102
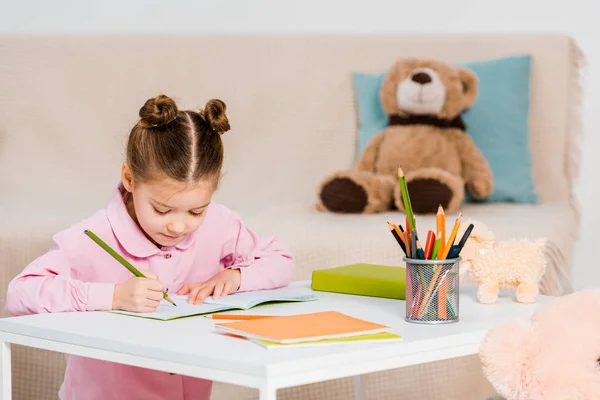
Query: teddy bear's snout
421,77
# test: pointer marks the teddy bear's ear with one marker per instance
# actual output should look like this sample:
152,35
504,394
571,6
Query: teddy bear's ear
470,85
388,93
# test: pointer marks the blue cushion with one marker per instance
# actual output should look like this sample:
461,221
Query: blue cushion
498,122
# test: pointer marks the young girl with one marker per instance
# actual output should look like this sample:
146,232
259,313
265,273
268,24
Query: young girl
162,220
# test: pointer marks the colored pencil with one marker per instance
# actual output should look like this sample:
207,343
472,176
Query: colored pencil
417,300
442,300
397,228
407,241
121,260
398,237
454,250
420,250
406,200
408,234
443,303
414,253
441,227
398,225
436,246
452,237
429,244
465,237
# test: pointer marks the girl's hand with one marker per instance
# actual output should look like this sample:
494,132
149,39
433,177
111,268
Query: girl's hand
138,294
224,283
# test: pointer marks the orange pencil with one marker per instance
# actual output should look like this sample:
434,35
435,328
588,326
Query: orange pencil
393,225
441,227
399,237
442,293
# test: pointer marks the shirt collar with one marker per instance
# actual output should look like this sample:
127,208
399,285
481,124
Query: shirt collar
129,234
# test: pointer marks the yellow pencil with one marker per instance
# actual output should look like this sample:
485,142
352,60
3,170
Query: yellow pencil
452,237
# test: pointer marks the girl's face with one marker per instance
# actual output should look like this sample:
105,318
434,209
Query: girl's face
165,209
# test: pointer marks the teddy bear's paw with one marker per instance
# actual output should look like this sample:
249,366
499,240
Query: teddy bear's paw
526,292
480,189
357,192
343,195
487,293
428,195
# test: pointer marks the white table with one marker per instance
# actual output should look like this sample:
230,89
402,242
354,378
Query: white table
200,353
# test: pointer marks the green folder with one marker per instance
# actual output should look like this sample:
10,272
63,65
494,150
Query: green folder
362,279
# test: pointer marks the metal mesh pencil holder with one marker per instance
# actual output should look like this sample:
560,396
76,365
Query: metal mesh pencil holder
432,290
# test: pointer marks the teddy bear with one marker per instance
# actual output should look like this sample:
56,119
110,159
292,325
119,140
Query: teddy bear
493,265
425,136
553,355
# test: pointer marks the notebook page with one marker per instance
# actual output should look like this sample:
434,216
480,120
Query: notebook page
166,311
246,300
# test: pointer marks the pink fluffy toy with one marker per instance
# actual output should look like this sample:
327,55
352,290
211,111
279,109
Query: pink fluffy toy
554,355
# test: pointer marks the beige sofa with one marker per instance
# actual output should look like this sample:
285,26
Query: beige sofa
66,104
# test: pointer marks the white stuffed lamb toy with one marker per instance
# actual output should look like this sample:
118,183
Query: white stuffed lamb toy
492,265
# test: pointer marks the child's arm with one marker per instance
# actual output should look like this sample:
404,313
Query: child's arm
47,285
264,263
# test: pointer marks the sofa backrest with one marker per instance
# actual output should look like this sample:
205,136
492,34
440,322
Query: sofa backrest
67,104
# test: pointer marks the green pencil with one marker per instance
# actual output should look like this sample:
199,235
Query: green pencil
406,199
123,261
436,246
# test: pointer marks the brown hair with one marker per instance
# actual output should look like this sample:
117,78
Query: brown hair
183,145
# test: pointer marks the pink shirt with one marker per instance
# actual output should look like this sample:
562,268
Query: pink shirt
78,275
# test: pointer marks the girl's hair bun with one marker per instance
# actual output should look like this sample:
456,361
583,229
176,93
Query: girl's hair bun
158,111
214,115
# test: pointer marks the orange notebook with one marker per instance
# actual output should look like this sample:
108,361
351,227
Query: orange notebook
303,327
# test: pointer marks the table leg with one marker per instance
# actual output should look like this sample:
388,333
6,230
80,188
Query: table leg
5,372
267,392
359,387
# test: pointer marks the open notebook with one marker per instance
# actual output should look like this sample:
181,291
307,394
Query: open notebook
237,301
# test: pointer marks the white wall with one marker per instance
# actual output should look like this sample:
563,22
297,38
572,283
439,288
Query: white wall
576,17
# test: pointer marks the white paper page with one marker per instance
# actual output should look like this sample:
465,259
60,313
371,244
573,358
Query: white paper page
166,310
246,300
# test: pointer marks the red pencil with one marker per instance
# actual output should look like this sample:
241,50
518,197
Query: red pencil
429,244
